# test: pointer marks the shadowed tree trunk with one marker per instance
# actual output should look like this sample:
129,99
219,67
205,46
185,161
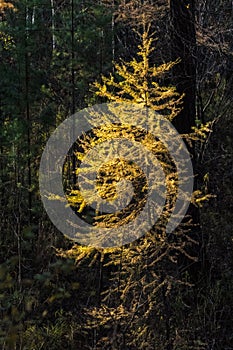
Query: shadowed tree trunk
183,46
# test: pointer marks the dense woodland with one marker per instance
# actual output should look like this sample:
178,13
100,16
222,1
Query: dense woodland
168,292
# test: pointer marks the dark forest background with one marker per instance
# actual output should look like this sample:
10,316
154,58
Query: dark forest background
58,295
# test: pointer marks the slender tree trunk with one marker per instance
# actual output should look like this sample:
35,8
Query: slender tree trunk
27,113
73,102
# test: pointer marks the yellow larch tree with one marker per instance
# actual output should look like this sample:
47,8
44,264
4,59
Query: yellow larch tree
138,82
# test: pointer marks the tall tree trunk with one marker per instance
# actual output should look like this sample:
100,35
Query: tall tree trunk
183,46
27,113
